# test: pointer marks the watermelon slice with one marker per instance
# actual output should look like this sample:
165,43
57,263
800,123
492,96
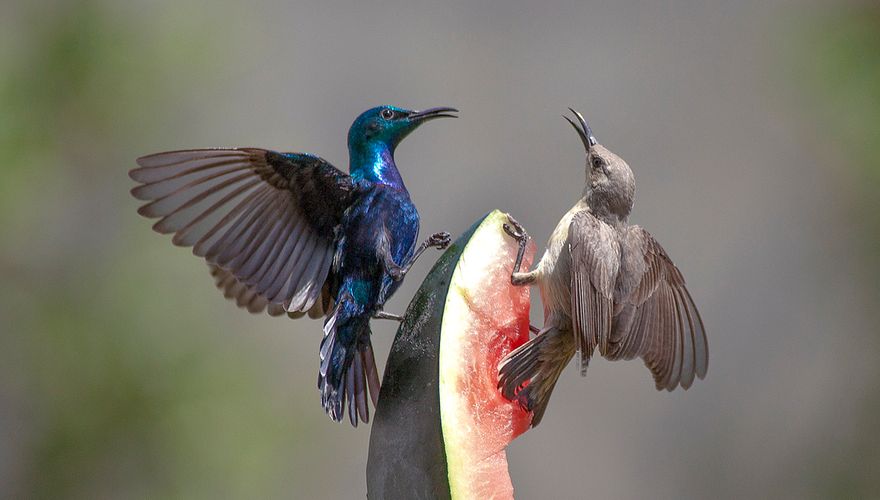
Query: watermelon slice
441,425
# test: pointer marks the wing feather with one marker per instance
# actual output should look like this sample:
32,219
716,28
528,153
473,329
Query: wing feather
259,250
273,252
191,229
280,270
658,320
264,221
280,284
595,261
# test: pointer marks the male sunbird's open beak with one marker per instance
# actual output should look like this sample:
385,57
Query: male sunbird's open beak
430,114
584,131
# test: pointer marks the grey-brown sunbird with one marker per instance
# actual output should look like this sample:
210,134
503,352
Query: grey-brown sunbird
604,283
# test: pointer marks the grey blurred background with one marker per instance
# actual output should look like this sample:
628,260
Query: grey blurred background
752,128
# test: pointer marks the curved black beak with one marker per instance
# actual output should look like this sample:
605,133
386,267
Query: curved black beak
584,131
430,114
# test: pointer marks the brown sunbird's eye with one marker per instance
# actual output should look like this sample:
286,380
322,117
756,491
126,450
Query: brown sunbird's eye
597,163
387,114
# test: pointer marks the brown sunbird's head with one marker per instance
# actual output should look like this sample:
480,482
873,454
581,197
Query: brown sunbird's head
610,185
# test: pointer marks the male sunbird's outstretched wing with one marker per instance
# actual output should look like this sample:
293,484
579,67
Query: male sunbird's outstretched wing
658,321
264,221
246,297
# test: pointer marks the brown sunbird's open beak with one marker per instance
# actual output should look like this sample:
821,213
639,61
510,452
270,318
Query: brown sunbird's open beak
584,131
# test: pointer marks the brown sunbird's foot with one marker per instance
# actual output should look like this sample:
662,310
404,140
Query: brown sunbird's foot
515,230
522,279
440,240
386,315
534,329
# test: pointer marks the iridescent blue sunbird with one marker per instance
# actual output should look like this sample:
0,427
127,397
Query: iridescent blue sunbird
291,233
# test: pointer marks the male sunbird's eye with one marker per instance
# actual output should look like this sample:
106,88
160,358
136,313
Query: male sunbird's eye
387,114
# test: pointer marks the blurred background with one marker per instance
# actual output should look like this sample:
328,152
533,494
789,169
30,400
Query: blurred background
752,128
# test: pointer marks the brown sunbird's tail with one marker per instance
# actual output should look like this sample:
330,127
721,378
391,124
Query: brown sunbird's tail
529,373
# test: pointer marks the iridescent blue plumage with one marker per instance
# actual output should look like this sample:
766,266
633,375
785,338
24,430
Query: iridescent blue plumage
376,246
288,232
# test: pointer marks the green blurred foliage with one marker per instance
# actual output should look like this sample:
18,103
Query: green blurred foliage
104,392
842,58
840,55
109,391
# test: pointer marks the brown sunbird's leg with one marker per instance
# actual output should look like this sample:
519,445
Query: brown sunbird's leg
515,230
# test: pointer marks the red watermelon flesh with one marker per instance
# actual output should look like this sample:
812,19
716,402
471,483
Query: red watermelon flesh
441,425
485,318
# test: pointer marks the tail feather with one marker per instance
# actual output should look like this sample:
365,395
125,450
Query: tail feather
372,374
347,375
529,373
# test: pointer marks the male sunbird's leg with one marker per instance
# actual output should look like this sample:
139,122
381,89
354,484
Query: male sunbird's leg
439,240
519,233
387,315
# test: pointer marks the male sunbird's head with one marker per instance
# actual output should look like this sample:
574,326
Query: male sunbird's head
610,185
388,125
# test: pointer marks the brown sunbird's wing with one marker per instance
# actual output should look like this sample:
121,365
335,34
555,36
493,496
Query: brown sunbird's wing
658,321
264,221
595,261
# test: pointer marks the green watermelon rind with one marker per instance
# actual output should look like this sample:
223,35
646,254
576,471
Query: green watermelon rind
407,456
418,449
476,466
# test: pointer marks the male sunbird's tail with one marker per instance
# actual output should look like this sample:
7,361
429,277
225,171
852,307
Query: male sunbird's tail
348,368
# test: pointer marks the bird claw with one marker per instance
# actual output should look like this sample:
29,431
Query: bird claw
440,240
396,273
515,230
386,315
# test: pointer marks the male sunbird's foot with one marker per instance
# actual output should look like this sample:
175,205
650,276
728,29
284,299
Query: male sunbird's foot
440,240
396,273
386,315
